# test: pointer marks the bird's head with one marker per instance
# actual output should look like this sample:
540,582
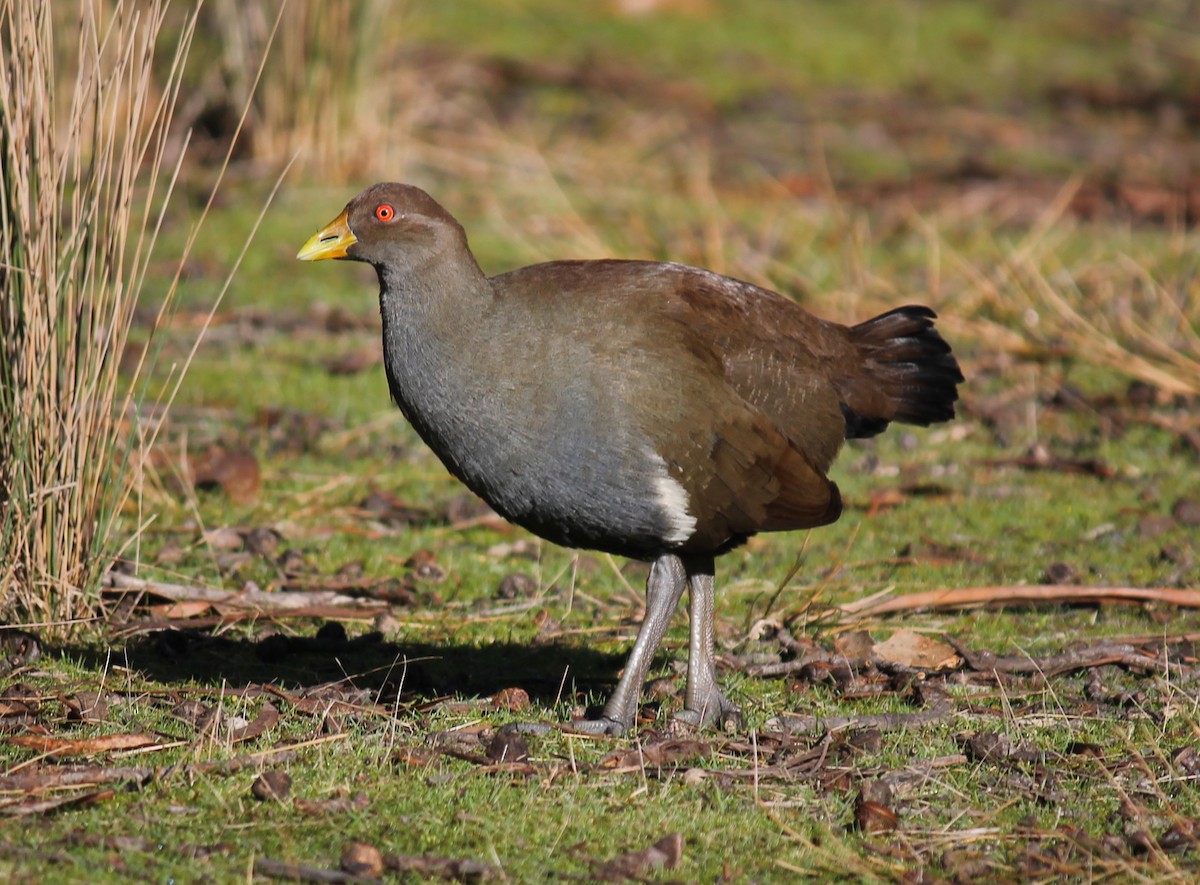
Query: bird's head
389,224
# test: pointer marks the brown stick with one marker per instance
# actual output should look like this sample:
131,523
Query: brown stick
257,600
40,779
1037,594
1096,656
295,872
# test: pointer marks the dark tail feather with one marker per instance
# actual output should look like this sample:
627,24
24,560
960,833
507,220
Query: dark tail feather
908,373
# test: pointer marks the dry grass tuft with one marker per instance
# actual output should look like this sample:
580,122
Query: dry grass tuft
87,176
321,96
84,173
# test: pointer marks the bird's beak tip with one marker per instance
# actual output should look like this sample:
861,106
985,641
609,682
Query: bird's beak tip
331,241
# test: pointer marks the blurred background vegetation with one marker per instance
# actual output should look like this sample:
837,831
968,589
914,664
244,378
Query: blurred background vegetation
1029,168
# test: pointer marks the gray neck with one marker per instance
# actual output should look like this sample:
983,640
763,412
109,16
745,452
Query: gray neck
432,298
434,318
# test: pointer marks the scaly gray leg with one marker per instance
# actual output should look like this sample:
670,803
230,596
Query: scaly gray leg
664,588
705,703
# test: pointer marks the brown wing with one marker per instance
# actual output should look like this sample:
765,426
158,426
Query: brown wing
727,392
774,420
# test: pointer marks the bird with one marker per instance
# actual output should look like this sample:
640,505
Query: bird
651,410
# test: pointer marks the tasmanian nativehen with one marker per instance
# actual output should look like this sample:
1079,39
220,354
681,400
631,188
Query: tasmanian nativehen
647,409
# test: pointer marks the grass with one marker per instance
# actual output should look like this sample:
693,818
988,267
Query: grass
545,168
77,223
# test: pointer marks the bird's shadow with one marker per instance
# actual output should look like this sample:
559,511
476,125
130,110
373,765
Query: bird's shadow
549,672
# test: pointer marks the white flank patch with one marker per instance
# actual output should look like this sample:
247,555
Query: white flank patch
673,501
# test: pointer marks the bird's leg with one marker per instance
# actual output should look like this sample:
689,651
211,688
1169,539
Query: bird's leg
664,589
704,703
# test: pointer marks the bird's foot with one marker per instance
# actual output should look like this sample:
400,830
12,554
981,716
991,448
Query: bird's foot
602,725
536,729
715,710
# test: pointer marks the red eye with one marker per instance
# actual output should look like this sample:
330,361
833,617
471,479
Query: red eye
384,212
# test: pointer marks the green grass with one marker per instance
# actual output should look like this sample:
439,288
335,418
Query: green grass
956,49
985,522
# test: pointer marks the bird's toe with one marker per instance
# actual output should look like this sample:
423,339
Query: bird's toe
716,710
602,725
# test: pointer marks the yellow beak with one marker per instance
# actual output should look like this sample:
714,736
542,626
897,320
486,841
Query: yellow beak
331,241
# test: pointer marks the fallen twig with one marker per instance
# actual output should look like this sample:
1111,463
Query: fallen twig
251,598
784,668
27,807
1037,594
57,777
281,869
1095,656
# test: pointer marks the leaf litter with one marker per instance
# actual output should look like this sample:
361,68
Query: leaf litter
832,753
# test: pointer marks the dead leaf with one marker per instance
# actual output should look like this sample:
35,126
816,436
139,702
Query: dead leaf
262,540
873,811
355,361
432,866
180,610
334,805
511,699
1060,573
515,585
657,754
27,807
297,872
26,696
290,430
17,649
987,746
911,649
86,706
232,469
385,507
884,499
267,719
1181,836
856,647
38,779
362,859
1187,511
663,854
225,539
82,746
423,566
508,746
273,785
